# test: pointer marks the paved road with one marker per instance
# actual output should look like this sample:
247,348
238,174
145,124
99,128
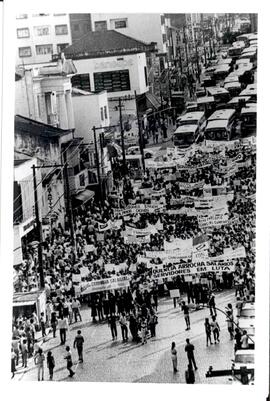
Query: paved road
114,361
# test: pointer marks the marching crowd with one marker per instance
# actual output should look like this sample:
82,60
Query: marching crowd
136,307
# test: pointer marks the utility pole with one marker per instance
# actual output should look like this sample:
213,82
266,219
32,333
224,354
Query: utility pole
38,231
122,137
197,57
69,207
141,139
98,165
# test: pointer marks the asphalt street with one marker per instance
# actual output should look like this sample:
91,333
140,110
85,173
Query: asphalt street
113,361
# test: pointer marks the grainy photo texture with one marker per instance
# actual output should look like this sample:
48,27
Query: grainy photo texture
134,198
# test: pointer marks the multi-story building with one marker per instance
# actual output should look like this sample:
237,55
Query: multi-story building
144,27
111,61
39,36
80,24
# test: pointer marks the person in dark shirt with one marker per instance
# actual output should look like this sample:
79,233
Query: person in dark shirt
112,324
78,343
237,338
189,348
185,309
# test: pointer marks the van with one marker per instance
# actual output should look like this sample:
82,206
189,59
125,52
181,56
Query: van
248,119
185,135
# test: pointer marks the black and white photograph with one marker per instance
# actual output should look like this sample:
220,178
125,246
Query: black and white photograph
134,197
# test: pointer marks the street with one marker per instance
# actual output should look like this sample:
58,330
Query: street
150,363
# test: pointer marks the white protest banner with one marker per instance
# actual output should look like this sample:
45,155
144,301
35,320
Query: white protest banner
151,229
174,293
76,278
104,226
239,252
107,284
199,255
178,243
176,211
116,224
188,186
203,203
213,219
100,237
89,248
77,289
193,268
109,267
142,259
84,271
168,254
160,192
132,239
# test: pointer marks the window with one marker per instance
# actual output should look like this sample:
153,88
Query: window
61,29
42,30
44,49
162,19
105,112
100,25
23,33
21,16
81,81
61,47
112,81
82,180
145,76
164,37
101,114
25,51
120,24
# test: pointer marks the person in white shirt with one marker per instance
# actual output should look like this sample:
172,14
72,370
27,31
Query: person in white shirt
63,327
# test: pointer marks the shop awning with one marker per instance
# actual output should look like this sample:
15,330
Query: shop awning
152,100
85,195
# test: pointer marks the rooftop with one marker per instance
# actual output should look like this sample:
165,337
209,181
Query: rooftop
29,126
105,44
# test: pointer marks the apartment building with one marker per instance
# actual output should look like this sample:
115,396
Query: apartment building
39,36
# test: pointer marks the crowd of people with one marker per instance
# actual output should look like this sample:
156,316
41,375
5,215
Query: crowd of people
97,247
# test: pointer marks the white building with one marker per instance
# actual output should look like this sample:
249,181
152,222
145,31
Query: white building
113,62
145,27
39,36
44,93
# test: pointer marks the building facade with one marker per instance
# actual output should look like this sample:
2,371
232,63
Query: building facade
39,36
80,24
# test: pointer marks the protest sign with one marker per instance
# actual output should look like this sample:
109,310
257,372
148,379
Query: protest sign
89,248
84,271
104,226
174,293
132,239
217,218
112,283
193,268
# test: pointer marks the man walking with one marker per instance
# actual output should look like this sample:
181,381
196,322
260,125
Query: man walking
189,348
112,324
185,309
63,327
78,343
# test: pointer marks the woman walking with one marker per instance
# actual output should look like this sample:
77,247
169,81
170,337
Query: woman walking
50,364
207,327
215,329
68,357
39,361
174,357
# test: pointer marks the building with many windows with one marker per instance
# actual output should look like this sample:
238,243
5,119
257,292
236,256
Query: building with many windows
39,36
111,61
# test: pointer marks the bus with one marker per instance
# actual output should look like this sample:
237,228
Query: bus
185,135
221,125
234,88
220,95
248,119
221,71
251,90
193,118
206,104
